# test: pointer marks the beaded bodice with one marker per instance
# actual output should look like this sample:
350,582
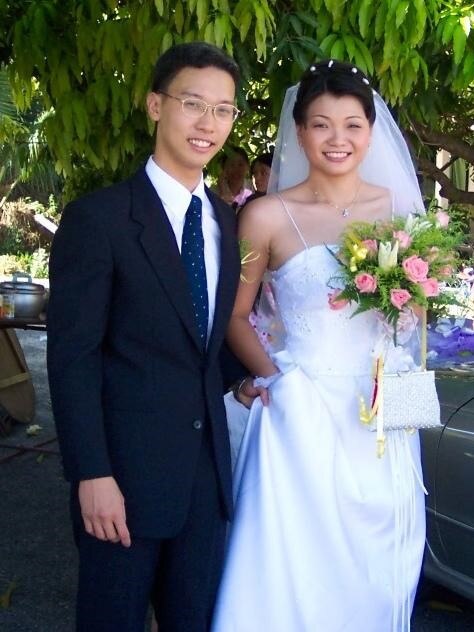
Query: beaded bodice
321,340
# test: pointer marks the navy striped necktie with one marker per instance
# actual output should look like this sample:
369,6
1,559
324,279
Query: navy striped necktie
192,255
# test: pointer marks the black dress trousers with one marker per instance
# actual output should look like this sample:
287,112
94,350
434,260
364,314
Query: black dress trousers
179,575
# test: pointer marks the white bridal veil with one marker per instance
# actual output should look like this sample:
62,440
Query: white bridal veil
387,163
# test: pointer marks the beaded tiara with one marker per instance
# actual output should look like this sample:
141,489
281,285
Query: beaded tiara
314,70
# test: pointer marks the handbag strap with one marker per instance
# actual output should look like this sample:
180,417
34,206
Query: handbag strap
422,341
424,338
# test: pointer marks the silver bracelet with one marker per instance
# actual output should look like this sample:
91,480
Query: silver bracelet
238,387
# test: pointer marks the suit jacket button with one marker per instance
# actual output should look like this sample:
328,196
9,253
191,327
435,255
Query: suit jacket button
197,424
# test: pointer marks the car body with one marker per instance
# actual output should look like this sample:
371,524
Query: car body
448,467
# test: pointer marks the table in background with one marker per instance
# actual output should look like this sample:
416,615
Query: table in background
38,324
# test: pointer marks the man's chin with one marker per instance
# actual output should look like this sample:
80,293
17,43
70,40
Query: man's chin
199,162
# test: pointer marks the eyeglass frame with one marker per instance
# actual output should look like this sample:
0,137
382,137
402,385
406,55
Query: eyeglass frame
208,105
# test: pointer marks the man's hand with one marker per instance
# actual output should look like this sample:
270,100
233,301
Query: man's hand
247,392
103,510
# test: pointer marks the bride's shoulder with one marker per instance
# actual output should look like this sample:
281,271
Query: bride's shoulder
263,212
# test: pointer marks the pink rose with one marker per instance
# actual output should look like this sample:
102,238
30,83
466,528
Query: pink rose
335,302
415,268
442,219
399,297
430,287
403,238
371,246
366,283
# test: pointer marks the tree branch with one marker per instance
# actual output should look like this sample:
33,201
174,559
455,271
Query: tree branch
455,146
448,189
449,163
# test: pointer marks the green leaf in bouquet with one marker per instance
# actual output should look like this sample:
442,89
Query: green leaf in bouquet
365,303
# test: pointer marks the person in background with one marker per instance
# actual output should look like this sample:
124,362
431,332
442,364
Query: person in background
260,171
231,184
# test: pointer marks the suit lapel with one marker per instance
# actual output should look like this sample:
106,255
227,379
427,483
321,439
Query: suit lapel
228,272
159,243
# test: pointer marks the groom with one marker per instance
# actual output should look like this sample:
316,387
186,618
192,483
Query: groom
143,278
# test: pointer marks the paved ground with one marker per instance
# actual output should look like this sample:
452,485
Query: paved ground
36,550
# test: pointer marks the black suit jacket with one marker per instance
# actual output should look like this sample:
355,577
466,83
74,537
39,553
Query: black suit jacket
132,392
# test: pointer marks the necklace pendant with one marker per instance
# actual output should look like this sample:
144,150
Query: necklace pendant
345,212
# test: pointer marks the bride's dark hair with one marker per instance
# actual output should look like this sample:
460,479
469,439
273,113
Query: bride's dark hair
337,78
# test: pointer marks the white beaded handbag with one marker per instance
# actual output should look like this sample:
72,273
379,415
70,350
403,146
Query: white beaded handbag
402,401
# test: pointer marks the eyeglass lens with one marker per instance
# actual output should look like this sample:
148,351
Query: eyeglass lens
197,107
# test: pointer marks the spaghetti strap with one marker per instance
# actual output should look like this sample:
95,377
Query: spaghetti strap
287,210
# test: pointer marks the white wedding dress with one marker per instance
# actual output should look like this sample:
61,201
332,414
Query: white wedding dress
326,536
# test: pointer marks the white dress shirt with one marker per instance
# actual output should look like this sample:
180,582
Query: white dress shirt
176,199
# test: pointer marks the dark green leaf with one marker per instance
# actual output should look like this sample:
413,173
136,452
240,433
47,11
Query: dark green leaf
296,24
459,43
366,13
308,18
401,12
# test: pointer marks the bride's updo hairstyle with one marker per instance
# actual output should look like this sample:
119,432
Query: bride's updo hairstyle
336,78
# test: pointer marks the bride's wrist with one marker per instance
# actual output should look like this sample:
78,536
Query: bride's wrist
267,380
238,390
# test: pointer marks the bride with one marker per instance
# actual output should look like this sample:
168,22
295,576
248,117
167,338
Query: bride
326,537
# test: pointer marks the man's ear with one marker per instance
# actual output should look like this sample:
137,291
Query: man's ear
153,105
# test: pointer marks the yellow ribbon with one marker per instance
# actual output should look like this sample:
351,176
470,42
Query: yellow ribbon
366,416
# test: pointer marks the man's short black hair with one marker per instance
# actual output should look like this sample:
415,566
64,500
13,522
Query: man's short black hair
191,55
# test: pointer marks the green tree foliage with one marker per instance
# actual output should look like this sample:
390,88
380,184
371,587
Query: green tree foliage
91,62
26,165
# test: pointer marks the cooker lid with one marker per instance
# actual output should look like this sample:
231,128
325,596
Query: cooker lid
21,288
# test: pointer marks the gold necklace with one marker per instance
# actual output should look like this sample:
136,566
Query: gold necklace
345,209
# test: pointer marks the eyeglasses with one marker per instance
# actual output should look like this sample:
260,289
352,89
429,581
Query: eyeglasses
196,108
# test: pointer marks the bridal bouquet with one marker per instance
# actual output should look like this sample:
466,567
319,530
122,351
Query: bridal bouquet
391,266
398,268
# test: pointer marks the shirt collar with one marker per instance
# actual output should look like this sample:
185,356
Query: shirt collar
172,193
